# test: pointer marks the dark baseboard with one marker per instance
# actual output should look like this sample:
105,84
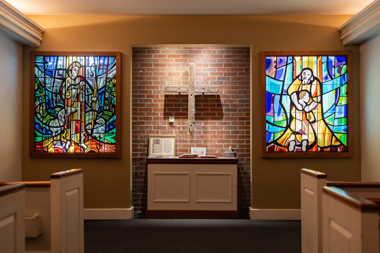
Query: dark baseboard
191,214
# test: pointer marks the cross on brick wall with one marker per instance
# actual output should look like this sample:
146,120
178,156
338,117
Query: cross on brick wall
222,119
191,90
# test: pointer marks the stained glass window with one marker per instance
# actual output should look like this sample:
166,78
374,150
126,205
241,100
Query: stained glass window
75,104
307,104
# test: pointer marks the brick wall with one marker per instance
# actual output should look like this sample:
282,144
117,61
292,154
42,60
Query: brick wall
221,120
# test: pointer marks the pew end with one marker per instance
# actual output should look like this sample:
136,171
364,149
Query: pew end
53,213
12,212
67,210
312,183
350,222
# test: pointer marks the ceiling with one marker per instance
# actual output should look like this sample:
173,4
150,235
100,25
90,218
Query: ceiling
187,7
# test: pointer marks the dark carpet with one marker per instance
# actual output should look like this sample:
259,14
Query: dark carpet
192,235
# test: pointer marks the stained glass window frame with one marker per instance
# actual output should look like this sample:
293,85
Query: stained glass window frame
116,105
301,154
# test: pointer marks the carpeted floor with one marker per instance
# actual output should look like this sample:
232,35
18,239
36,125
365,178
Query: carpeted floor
185,235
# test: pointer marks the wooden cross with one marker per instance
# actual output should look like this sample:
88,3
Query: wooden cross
191,90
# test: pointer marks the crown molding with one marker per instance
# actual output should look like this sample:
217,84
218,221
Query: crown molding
363,26
18,26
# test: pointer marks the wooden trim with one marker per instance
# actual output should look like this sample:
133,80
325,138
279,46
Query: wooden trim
354,184
117,153
7,189
192,160
65,173
265,154
313,173
192,214
357,202
29,183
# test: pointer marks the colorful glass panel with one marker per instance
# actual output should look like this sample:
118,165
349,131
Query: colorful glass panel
306,103
75,104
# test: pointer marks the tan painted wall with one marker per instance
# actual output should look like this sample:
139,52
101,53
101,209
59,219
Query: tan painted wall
275,182
10,113
369,102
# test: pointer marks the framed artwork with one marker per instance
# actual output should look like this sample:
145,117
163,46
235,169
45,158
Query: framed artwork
75,104
306,104
161,145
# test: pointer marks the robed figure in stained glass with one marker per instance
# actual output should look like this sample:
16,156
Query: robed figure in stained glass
306,104
73,92
306,115
75,103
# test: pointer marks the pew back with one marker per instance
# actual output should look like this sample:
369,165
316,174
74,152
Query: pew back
67,225
312,183
37,202
12,208
350,223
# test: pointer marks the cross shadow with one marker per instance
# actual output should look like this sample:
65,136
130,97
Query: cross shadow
207,107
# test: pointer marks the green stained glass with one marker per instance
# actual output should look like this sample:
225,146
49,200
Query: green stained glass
344,69
340,122
342,101
343,90
342,138
280,123
330,120
277,135
307,111
74,106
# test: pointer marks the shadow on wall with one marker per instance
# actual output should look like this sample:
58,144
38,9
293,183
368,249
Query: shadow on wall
207,107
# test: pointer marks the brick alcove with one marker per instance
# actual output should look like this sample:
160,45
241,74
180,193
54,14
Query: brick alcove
221,120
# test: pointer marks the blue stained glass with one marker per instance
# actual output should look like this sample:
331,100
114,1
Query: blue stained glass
325,74
40,66
281,61
274,129
278,111
340,60
290,59
268,102
324,59
334,84
273,86
330,65
103,60
280,73
288,77
286,103
330,112
268,63
112,61
111,124
50,72
341,111
39,59
328,100
269,137
340,129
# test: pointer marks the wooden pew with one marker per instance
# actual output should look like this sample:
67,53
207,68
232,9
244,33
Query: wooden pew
350,222
58,206
312,183
12,208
